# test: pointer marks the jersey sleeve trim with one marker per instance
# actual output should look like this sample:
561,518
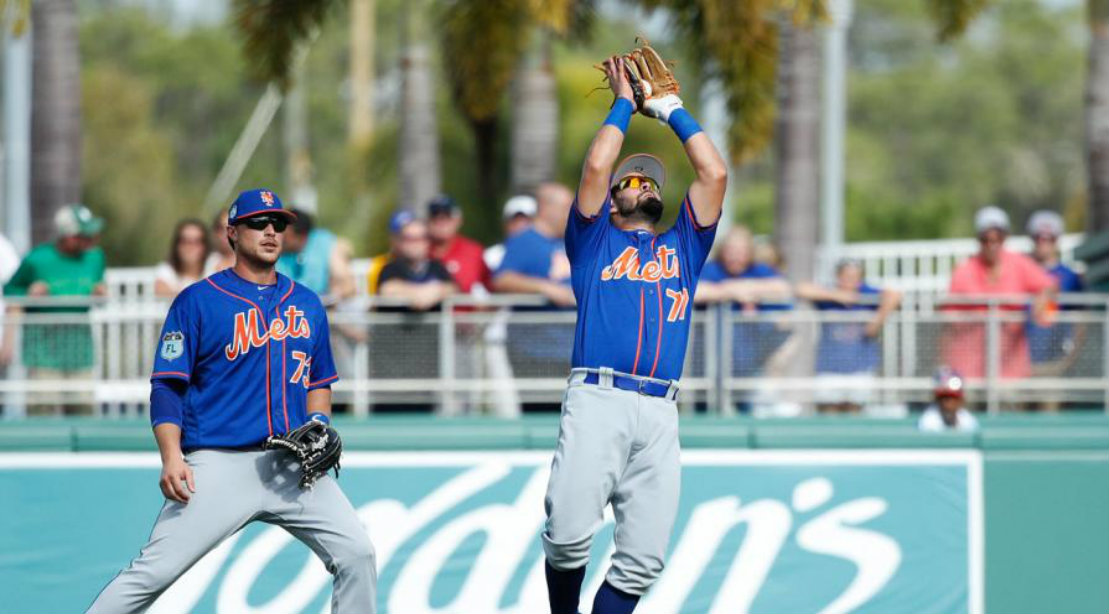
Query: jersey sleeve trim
583,217
325,382
169,375
688,206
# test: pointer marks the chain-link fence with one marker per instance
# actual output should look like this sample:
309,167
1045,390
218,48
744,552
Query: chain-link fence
505,354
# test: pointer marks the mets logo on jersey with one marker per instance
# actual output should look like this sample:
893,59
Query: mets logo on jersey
627,265
250,332
173,345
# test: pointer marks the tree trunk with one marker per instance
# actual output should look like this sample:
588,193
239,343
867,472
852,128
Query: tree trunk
535,120
419,133
361,127
55,113
485,143
299,190
796,220
1097,117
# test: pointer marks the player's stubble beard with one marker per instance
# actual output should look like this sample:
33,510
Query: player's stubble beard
254,256
648,209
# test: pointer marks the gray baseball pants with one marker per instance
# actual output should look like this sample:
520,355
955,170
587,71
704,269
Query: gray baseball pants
619,447
235,488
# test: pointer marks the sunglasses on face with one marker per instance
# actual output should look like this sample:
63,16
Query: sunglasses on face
262,221
637,183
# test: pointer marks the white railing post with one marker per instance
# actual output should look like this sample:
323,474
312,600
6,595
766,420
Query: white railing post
726,317
448,401
993,357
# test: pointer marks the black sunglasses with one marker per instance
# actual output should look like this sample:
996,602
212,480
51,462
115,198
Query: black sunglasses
260,223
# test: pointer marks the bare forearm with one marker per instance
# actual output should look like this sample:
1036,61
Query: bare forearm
516,283
319,401
168,437
890,301
706,194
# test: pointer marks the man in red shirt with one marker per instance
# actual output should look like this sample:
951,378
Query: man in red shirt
463,257
996,272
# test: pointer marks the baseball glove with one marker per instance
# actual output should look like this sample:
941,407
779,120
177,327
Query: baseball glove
650,76
316,445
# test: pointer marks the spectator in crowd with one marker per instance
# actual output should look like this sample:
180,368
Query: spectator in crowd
397,222
948,412
535,262
1053,348
188,255
767,253
995,272
752,287
70,266
419,284
848,356
314,257
535,259
221,256
518,215
422,282
463,257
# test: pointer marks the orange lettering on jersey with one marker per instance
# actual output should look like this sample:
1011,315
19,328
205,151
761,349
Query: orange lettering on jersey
249,333
627,265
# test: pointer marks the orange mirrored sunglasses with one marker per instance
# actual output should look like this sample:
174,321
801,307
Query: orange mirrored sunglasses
636,183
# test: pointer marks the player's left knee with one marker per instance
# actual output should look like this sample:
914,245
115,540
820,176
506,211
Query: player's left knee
358,551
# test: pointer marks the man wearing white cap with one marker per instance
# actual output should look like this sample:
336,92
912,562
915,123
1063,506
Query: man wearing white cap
1053,347
519,213
995,272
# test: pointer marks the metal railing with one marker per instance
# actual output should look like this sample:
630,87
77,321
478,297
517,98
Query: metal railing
497,354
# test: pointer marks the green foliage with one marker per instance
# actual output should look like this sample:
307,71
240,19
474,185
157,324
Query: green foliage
995,118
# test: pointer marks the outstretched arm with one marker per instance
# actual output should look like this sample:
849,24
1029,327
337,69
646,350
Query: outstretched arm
706,194
596,172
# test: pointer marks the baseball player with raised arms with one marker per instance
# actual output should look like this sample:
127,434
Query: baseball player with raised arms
244,357
618,437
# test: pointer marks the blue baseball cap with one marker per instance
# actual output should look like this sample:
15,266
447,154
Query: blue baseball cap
399,220
259,201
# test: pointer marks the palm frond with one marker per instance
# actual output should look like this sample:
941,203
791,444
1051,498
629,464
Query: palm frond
481,41
953,17
271,31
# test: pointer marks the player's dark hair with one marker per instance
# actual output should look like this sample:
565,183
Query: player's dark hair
303,223
178,232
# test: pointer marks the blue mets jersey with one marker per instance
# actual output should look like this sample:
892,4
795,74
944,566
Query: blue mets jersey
635,291
250,353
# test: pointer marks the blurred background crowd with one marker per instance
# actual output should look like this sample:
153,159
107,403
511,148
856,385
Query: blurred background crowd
431,150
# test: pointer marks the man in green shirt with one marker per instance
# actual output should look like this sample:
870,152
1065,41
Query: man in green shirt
70,266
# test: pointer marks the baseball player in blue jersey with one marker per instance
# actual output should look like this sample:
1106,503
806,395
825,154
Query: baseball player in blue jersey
618,437
244,356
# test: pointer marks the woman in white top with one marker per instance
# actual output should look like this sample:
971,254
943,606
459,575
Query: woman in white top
187,256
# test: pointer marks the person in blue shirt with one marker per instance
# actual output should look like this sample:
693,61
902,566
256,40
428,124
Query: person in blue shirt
1052,348
756,289
317,259
535,262
848,356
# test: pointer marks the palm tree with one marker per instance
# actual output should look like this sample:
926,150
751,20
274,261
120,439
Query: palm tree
55,113
1097,116
420,174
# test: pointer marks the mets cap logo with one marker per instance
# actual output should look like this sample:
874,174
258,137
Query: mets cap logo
267,198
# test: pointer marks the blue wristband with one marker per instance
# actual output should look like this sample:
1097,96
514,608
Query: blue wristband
683,124
620,114
318,417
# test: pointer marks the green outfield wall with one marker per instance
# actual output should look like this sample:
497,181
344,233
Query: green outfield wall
1010,520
